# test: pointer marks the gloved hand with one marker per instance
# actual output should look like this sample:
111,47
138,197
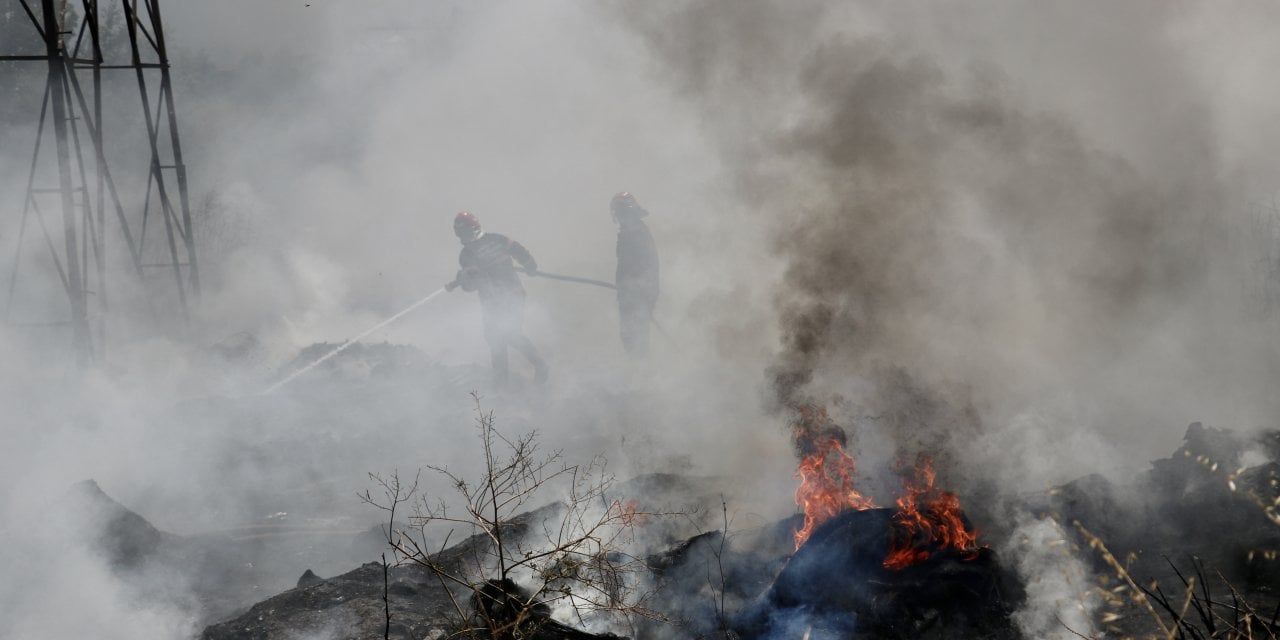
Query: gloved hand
469,279
451,285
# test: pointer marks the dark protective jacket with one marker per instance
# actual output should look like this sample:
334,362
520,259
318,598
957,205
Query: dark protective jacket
637,275
488,267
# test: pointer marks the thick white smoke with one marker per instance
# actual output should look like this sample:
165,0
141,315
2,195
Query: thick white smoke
1045,219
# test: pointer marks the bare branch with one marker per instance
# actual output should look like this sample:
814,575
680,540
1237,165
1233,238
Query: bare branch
569,553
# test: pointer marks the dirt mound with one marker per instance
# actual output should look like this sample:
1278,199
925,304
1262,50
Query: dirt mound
124,537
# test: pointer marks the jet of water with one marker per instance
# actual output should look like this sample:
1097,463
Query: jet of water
340,348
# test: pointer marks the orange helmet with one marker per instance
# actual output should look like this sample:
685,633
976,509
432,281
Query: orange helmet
466,226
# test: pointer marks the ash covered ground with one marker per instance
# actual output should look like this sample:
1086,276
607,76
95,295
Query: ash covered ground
1029,243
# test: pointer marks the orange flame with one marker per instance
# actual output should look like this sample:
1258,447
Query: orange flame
629,513
927,521
826,472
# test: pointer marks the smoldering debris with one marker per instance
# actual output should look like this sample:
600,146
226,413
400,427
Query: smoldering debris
346,606
1207,513
1164,525
408,600
1180,507
837,586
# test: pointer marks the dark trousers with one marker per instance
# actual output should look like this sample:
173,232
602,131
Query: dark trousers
503,329
634,314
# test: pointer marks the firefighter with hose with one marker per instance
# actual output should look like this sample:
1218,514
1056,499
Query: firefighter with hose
487,266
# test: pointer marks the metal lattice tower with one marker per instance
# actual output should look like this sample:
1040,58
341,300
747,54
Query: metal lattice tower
85,192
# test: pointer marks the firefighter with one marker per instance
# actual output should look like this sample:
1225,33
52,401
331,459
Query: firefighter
487,267
637,275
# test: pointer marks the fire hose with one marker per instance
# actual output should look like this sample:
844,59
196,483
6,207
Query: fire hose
598,283
449,287
556,276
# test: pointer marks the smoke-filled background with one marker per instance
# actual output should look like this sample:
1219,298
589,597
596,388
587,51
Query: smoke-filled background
1045,219
1034,240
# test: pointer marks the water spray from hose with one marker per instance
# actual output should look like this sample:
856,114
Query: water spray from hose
342,347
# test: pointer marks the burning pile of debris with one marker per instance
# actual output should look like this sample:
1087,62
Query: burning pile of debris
847,568
912,571
843,569
838,585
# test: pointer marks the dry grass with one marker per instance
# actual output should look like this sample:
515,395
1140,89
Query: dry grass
1192,611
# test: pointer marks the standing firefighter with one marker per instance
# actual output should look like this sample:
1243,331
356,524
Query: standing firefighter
487,268
637,276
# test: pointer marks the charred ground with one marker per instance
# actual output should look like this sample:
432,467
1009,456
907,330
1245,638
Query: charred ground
1163,525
